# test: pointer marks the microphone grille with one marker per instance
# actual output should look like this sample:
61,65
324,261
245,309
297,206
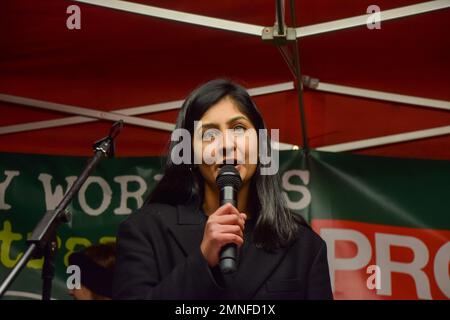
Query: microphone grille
228,176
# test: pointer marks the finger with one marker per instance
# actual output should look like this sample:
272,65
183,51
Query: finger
230,220
231,229
226,209
231,238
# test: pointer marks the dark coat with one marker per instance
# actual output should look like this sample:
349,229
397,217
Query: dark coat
159,257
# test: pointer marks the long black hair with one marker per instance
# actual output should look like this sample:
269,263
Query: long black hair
276,226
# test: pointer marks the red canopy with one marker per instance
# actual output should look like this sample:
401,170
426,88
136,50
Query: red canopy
120,60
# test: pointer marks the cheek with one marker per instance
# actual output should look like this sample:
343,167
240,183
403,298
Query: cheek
206,152
197,150
251,155
251,147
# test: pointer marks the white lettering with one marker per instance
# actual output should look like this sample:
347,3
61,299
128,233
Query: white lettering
106,196
383,243
125,194
10,174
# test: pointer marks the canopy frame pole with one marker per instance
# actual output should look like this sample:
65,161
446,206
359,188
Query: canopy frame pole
178,16
299,83
285,39
387,140
357,21
255,30
91,113
86,115
308,82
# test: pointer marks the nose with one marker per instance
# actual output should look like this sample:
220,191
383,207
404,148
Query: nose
228,145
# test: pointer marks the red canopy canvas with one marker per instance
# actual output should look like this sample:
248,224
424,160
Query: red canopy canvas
120,60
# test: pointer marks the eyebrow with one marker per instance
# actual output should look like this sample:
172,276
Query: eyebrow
214,125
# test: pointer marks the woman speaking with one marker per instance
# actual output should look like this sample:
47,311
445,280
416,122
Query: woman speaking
171,247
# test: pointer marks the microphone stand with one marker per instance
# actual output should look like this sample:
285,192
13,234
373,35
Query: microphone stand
42,242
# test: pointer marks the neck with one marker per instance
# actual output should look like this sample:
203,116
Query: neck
211,199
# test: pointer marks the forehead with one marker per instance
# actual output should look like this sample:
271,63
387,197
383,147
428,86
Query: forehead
222,111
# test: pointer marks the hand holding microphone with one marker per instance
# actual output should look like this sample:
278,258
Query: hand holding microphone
224,229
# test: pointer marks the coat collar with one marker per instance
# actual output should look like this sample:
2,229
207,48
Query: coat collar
255,267
188,230
189,214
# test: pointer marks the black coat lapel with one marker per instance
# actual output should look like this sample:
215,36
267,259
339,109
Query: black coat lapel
255,266
188,230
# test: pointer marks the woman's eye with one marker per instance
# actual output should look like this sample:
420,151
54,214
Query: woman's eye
210,134
239,129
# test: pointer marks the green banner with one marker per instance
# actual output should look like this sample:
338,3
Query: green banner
386,221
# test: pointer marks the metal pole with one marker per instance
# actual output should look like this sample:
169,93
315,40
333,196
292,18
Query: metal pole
299,82
279,8
17,268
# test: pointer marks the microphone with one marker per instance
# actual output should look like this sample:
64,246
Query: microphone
229,181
